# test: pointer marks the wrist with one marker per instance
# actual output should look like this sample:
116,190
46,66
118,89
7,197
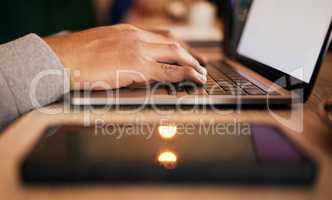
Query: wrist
55,45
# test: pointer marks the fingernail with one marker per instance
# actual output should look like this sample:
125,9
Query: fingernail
201,69
203,78
204,70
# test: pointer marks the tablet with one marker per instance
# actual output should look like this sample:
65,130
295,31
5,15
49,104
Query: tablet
166,153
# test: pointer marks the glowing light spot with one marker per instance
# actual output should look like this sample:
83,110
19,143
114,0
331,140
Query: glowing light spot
167,159
167,132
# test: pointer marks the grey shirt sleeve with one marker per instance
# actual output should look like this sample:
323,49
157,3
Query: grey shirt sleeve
31,75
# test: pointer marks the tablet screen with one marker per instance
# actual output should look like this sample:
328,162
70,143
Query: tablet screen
187,152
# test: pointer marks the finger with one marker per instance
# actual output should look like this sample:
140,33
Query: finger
166,37
201,59
168,34
174,74
172,54
163,32
148,36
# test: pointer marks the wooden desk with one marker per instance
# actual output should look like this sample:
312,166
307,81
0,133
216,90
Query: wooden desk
316,139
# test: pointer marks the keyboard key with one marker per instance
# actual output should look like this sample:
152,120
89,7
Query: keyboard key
241,81
248,86
215,73
255,91
218,92
226,85
232,82
210,79
211,84
230,87
237,92
235,76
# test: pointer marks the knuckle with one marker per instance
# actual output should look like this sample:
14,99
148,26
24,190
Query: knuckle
131,27
174,47
137,44
153,71
127,27
190,71
130,31
178,44
131,36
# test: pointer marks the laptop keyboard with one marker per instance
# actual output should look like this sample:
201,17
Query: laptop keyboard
222,80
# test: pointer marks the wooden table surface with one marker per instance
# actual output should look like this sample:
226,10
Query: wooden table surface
316,139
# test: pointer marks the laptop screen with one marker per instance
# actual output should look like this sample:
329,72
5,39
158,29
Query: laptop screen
286,35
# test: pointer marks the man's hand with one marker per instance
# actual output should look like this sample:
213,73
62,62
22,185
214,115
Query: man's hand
123,55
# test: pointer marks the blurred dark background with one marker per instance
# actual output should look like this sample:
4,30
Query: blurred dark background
47,17
44,17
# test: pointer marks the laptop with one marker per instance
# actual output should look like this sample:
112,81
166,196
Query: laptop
278,57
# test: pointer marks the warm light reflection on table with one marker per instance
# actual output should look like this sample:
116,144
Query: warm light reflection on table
168,159
167,132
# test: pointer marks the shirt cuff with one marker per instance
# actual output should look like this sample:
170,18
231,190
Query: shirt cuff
33,72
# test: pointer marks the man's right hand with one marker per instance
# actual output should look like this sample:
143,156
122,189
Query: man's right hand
123,55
